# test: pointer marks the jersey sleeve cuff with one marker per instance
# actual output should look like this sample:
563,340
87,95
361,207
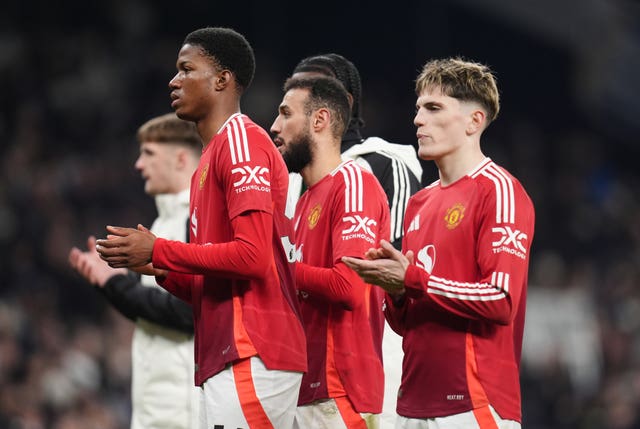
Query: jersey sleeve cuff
157,256
414,279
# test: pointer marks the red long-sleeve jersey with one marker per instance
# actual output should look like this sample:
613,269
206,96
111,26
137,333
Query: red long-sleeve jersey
463,314
235,271
344,214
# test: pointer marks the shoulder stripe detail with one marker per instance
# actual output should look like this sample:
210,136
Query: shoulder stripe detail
353,193
469,291
238,145
480,166
245,140
505,199
433,184
232,151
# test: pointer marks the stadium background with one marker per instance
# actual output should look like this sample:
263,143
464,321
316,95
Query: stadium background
77,78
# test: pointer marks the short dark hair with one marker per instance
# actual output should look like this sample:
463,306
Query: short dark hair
228,49
335,65
327,92
168,128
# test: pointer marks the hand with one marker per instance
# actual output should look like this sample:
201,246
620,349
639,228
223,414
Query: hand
385,267
89,265
126,247
149,270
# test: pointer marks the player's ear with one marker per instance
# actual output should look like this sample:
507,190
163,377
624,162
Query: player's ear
321,119
181,158
476,121
223,79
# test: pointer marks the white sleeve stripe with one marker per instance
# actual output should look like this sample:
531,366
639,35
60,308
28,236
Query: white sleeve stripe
461,284
505,206
465,291
498,196
231,146
466,298
236,140
353,190
360,188
245,140
356,174
463,287
347,190
501,280
497,289
494,280
353,193
508,196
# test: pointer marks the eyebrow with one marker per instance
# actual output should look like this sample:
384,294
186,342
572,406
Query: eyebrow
428,103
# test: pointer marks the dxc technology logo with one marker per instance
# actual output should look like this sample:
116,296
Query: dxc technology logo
510,241
251,179
360,227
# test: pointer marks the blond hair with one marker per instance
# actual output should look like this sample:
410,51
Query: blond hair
463,80
169,128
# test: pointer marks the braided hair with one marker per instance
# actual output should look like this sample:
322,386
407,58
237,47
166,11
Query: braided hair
337,66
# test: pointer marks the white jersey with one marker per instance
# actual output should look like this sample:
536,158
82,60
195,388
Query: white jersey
163,393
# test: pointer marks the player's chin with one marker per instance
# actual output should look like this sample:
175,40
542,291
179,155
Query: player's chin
149,189
426,154
184,114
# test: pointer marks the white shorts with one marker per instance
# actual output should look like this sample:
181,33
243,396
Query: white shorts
480,418
337,413
392,357
247,395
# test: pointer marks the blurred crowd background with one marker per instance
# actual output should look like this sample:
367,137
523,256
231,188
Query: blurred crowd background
78,78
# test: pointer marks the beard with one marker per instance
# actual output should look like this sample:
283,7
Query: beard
298,153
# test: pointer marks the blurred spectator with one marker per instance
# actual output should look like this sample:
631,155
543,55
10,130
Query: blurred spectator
562,326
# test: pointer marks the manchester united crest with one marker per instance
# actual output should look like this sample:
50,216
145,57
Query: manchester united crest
454,216
314,216
203,175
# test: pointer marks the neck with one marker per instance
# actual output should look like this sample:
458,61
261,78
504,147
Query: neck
322,163
210,124
454,166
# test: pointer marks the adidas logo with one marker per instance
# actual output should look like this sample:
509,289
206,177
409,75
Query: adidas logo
415,224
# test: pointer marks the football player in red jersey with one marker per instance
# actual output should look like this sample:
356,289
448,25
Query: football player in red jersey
397,168
343,212
250,348
457,291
